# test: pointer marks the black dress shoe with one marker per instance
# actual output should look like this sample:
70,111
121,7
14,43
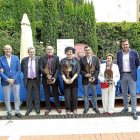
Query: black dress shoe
28,112
85,110
124,110
8,116
18,115
135,117
96,110
37,111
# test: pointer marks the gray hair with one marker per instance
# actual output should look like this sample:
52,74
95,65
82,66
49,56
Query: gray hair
7,45
31,48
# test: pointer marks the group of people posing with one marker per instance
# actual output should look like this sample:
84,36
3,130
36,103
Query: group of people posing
69,67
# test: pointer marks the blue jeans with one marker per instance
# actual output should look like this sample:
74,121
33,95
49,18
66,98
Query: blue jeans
127,78
86,97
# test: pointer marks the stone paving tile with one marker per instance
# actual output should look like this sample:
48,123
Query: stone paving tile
4,137
102,136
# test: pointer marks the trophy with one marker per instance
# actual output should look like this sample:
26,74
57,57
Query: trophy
90,70
67,68
108,76
48,72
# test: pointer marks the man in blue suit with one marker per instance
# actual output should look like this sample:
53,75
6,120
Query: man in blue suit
10,79
128,62
1,70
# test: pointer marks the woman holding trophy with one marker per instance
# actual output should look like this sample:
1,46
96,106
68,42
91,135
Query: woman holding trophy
69,70
109,76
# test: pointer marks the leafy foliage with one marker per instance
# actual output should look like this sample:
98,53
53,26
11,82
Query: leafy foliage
8,38
20,7
49,22
109,37
79,24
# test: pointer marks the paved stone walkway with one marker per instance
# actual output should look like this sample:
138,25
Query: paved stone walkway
103,136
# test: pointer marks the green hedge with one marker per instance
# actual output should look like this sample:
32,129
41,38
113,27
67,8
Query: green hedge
49,22
10,38
65,19
109,37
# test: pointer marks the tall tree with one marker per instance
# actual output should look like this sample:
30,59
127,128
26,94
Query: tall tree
49,22
68,20
20,7
87,26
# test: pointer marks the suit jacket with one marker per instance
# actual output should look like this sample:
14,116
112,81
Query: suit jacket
10,73
83,64
134,62
75,69
55,68
24,69
116,73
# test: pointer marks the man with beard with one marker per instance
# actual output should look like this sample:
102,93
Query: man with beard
85,79
53,65
128,62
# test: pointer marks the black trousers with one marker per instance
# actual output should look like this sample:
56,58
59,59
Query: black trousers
32,86
55,95
71,95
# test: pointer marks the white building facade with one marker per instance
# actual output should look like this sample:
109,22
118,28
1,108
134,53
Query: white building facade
115,10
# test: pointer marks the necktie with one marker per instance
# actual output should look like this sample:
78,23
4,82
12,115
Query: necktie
32,73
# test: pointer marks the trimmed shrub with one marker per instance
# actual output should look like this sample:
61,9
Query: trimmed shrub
10,38
49,22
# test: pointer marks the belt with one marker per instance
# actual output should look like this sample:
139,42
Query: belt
32,78
126,72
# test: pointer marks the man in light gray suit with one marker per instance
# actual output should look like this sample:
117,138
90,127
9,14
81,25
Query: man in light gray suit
30,69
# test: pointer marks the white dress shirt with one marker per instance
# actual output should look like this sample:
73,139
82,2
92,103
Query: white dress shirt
126,62
8,60
89,60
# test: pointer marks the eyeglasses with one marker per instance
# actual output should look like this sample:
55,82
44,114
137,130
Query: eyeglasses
7,49
87,50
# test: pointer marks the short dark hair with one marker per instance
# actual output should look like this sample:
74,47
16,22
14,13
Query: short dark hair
86,47
70,48
124,40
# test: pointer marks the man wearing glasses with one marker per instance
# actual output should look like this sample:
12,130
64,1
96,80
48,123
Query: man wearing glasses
10,79
53,65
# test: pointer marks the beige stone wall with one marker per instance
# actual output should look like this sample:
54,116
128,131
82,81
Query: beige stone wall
138,10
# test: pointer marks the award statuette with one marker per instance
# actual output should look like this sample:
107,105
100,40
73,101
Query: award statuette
67,68
48,72
108,76
90,70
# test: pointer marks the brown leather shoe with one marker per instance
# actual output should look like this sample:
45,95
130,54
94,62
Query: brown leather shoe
75,111
47,112
59,110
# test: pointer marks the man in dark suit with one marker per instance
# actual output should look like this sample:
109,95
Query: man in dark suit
10,79
54,68
85,79
128,62
30,69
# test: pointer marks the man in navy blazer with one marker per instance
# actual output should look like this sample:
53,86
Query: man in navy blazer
128,62
10,79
